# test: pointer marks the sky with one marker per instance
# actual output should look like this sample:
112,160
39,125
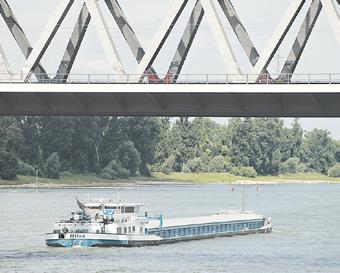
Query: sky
260,18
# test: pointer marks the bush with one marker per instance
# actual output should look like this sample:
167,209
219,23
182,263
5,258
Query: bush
114,170
168,165
216,164
195,165
334,171
301,168
186,169
66,174
290,166
52,166
244,171
25,169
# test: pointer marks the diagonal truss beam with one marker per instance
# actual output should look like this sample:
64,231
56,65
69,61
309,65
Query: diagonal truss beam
74,44
161,36
46,37
19,36
276,39
221,37
105,37
4,67
128,33
301,40
185,43
333,16
240,31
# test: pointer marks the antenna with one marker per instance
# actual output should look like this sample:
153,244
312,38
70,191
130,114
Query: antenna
243,196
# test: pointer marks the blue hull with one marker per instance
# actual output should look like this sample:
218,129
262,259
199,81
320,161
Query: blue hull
85,243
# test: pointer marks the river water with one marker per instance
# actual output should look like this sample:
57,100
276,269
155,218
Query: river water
306,236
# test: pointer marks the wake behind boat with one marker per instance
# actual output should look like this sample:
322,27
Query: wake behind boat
105,223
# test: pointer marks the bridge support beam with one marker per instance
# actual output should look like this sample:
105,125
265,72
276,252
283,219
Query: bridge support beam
212,100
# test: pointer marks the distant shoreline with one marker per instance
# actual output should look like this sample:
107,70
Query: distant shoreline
90,182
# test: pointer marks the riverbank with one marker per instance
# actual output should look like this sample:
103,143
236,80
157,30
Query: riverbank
86,181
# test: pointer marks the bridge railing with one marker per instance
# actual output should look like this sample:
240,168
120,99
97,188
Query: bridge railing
321,78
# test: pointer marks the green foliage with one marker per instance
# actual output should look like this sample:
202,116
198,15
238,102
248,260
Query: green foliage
168,165
318,151
10,143
25,169
52,166
334,171
290,166
129,157
217,164
114,170
337,150
244,171
194,165
8,166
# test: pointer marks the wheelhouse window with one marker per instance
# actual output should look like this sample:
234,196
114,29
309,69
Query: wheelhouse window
129,209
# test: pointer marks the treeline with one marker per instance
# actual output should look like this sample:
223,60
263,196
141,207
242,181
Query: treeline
113,147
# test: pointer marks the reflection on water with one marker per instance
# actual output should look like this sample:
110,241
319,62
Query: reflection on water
305,237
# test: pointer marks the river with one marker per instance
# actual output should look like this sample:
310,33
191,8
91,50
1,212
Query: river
306,237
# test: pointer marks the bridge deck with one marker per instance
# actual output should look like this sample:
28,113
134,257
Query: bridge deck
215,100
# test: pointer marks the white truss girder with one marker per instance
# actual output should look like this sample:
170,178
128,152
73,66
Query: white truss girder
46,37
105,37
145,57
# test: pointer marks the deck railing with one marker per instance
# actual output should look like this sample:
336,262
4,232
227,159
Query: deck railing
322,78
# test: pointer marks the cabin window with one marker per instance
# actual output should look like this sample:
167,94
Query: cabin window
141,230
119,230
129,209
129,229
133,229
125,230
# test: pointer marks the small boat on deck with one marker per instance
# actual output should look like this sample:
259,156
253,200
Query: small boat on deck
106,223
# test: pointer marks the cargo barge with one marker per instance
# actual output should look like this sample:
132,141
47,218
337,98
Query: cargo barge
105,223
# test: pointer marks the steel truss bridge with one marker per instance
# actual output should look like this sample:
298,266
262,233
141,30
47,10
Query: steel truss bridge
35,91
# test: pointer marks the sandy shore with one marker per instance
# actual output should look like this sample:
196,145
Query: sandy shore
157,183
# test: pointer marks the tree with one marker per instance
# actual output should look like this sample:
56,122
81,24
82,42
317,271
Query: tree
56,136
318,151
52,166
145,133
129,157
290,166
10,144
8,166
217,164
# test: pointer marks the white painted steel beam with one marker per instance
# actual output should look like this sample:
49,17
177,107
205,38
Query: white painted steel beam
4,66
164,30
333,17
106,38
46,37
276,39
220,36
19,36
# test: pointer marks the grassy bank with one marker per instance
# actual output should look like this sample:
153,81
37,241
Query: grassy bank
159,178
83,180
228,178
